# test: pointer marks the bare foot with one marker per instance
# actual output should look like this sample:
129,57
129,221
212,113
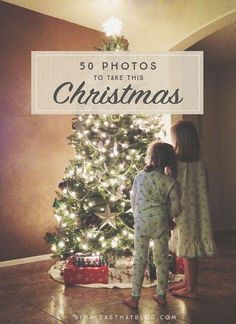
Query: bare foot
161,299
176,286
184,293
131,302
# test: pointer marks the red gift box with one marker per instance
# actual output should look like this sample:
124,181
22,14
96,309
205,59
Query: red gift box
179,265
85,275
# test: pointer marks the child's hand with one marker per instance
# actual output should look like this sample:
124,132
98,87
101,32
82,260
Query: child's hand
172,224
168,171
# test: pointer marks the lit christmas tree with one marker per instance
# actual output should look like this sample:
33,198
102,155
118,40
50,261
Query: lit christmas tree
93,208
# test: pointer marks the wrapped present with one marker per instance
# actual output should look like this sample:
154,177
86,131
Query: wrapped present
87,260
124,262
125,275
84,275
179,265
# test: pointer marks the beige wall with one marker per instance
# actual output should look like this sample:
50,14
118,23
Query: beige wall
148,25
209,125
218,132
33,149
227,103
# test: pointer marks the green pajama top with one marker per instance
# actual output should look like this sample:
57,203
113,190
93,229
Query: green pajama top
155,194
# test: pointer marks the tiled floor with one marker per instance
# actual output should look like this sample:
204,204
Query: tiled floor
29,295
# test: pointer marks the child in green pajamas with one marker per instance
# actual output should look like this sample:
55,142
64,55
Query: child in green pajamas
192,237
154,199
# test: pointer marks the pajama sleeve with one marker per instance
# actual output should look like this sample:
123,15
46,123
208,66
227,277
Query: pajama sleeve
133,194
174,206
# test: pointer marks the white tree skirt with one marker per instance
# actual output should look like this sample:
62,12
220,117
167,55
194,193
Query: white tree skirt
113,282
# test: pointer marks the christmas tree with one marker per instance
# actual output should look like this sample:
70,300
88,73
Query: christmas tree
92,207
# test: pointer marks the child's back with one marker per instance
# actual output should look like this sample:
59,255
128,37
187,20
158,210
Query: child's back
155,195
151,193
194,220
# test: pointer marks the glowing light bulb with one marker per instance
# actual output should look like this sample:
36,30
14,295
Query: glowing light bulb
114,244
58,218
84,246
63,206
73,194
112,26
131,236
79,135
61,244
54,248
105,184
89,235
151,244
72,215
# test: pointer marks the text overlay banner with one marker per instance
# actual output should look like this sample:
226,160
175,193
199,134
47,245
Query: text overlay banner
117,82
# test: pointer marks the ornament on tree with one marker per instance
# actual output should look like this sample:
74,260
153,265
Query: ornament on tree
63,185
108,217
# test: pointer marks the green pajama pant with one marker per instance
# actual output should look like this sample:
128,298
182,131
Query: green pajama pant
146,229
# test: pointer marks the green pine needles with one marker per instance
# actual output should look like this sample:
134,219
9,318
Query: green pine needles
92,207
